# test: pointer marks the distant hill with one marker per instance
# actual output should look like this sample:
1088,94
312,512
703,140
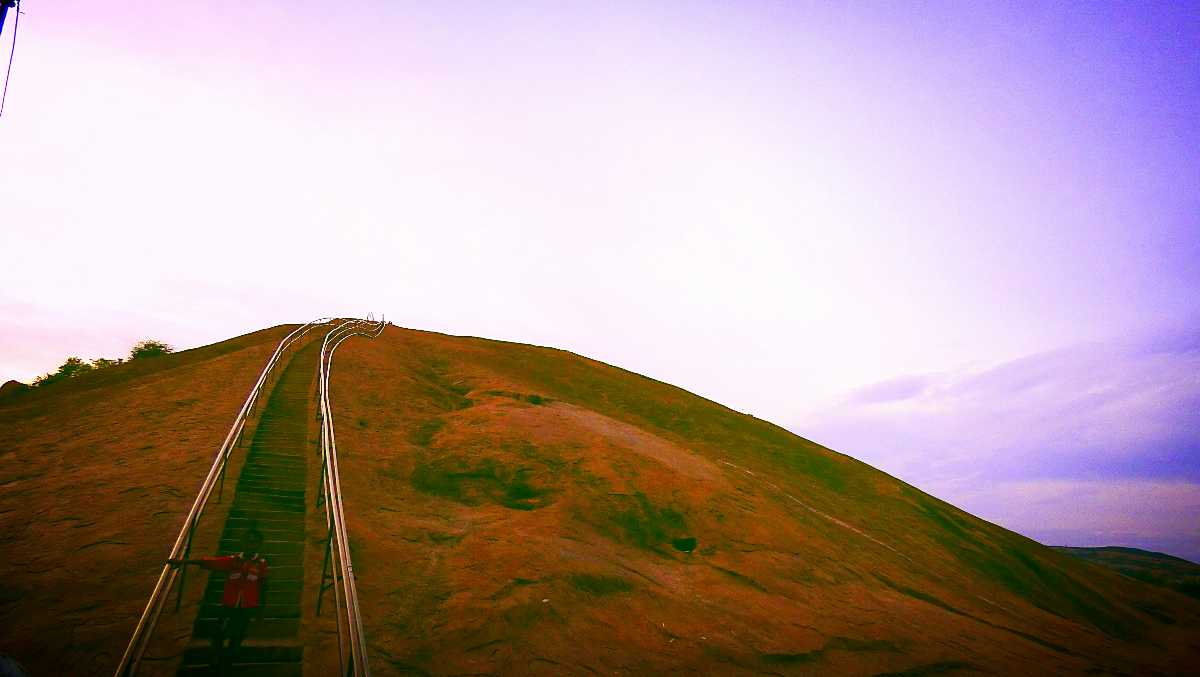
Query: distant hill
11,388
515,509
1155,568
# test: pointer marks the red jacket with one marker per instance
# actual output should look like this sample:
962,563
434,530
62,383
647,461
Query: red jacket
244,584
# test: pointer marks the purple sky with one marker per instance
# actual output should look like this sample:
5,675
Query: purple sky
958,241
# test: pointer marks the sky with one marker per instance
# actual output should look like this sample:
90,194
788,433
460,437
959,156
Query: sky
959,241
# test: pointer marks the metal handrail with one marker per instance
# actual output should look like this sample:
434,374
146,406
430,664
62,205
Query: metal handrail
144,630
338,542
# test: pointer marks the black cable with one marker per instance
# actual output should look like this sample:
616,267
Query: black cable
11,53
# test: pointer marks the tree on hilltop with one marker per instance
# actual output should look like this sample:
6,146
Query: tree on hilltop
149,348
75,366
70,369
104,362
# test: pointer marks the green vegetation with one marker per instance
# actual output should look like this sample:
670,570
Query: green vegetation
435,386
485,481
684,544
521,495
149,348
74,367
600,585
425,432
520,397
438,538
646,525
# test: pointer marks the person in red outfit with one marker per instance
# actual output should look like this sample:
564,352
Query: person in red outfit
244,595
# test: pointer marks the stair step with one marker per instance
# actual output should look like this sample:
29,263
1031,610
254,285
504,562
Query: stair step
289,669
273,489
249,653
233,535
263,509
299,463
277,477
240,520
259,628
275,596
255,495
269,611
269,548
216,586
278,532
261,496
276,457
287,571
274,476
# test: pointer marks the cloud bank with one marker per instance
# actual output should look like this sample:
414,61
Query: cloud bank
1095,444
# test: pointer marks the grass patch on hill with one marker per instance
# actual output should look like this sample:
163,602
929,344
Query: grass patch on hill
600,585
520,397
637,520
425,432
485,481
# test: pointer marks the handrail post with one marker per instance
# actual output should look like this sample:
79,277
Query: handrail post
321,588
224,464
187,550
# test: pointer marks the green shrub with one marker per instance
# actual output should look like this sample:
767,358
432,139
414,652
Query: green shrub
149,348
70,369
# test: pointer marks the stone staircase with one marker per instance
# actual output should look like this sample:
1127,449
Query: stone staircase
272,493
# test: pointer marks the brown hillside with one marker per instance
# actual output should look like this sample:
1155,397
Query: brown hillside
525,510
96,475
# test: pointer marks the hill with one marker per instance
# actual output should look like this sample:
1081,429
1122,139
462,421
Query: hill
1155,568
12,388
527,510
524,510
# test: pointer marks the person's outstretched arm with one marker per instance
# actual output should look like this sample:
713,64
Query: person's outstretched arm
219,563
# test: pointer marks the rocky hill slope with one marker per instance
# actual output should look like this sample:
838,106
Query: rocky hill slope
524,510
527,510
